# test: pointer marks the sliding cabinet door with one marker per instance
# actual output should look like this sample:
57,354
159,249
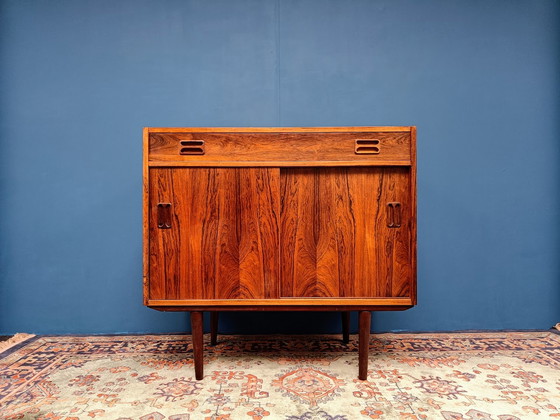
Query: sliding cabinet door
213,233
346,232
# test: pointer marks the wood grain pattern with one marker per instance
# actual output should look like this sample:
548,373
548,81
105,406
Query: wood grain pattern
145,216
294,302
330,213
364,327
276,129
331,306
413,211
277,164
223,242
334,236
313,148
280,219
197,343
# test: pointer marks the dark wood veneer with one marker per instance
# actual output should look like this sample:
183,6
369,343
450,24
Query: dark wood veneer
280,219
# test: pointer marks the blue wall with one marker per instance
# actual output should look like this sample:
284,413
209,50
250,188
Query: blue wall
80,78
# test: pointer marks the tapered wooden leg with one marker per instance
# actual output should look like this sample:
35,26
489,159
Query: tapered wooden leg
196,332
345,326
364,327
214,327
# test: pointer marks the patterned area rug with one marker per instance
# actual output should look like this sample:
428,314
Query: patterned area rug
499,376
9,342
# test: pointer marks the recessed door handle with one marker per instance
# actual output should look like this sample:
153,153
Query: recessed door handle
164,216
394,217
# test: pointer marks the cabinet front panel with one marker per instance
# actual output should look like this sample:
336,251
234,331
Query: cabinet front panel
346,232
280,149
218,238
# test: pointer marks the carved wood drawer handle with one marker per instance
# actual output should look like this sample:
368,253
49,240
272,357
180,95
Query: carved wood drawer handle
164,215
394,215
192,147
367,147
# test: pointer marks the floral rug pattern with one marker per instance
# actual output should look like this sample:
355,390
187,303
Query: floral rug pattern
458,376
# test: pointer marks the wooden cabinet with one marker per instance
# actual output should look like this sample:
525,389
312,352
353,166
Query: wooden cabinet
280,219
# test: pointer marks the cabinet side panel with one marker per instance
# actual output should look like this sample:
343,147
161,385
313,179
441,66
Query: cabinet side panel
145,218
413,234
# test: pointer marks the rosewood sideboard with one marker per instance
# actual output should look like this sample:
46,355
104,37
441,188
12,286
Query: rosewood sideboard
295,219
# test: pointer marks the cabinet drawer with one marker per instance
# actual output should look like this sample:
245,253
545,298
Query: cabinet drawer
279,149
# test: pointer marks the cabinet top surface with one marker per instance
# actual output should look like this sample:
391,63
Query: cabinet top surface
275,129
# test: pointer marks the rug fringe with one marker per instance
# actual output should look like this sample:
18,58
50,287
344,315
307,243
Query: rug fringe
557,326
14,341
